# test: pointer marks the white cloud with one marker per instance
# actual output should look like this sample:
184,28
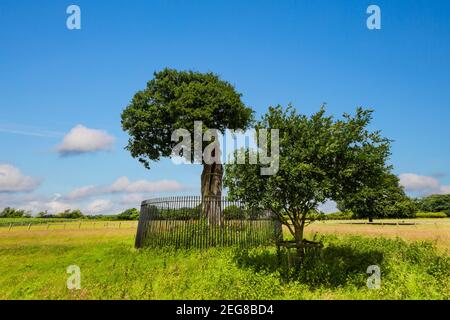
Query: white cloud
100,206
123,185
12,180
415,182
55,204
328,207
36,203
119,185
84,140
444,189
52,206
133,199
82,192
151,186
423,185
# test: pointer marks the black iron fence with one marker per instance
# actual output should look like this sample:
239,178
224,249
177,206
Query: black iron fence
196,222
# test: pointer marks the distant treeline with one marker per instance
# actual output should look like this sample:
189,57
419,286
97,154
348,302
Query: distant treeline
129,214
351,216
434,206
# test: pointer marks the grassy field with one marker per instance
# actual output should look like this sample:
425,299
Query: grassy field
67,225
5,222
33,266
436,231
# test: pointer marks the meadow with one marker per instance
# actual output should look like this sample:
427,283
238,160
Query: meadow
414,263
6,222
436,231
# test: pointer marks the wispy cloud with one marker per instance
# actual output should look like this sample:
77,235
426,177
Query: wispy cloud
29,131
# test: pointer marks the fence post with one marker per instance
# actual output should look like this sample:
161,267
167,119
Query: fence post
138,237
29,226
79,226
120,224
10,226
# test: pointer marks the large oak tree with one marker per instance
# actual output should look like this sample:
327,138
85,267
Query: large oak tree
175,100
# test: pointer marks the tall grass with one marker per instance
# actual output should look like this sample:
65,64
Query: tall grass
34,267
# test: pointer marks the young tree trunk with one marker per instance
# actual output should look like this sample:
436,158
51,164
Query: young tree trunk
299,241
211,190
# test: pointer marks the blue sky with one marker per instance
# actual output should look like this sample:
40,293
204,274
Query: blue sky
275,52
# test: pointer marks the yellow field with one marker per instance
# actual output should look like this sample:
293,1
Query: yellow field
35,237
70,225
72,233
435,230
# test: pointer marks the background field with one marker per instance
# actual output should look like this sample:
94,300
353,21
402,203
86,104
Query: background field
33,265
69,224
434,230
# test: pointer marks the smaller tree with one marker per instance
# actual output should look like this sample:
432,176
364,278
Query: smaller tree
319,158
384,198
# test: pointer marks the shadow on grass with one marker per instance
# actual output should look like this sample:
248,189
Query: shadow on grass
332,266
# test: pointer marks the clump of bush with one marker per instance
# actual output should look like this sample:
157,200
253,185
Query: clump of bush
234,212
129,214
431,215
14,213
71,214
347,215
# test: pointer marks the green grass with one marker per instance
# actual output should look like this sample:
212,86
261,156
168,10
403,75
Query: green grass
4,222
431,215
33,266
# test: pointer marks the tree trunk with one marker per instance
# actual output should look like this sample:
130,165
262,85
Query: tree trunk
370,219
212,193
299,242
